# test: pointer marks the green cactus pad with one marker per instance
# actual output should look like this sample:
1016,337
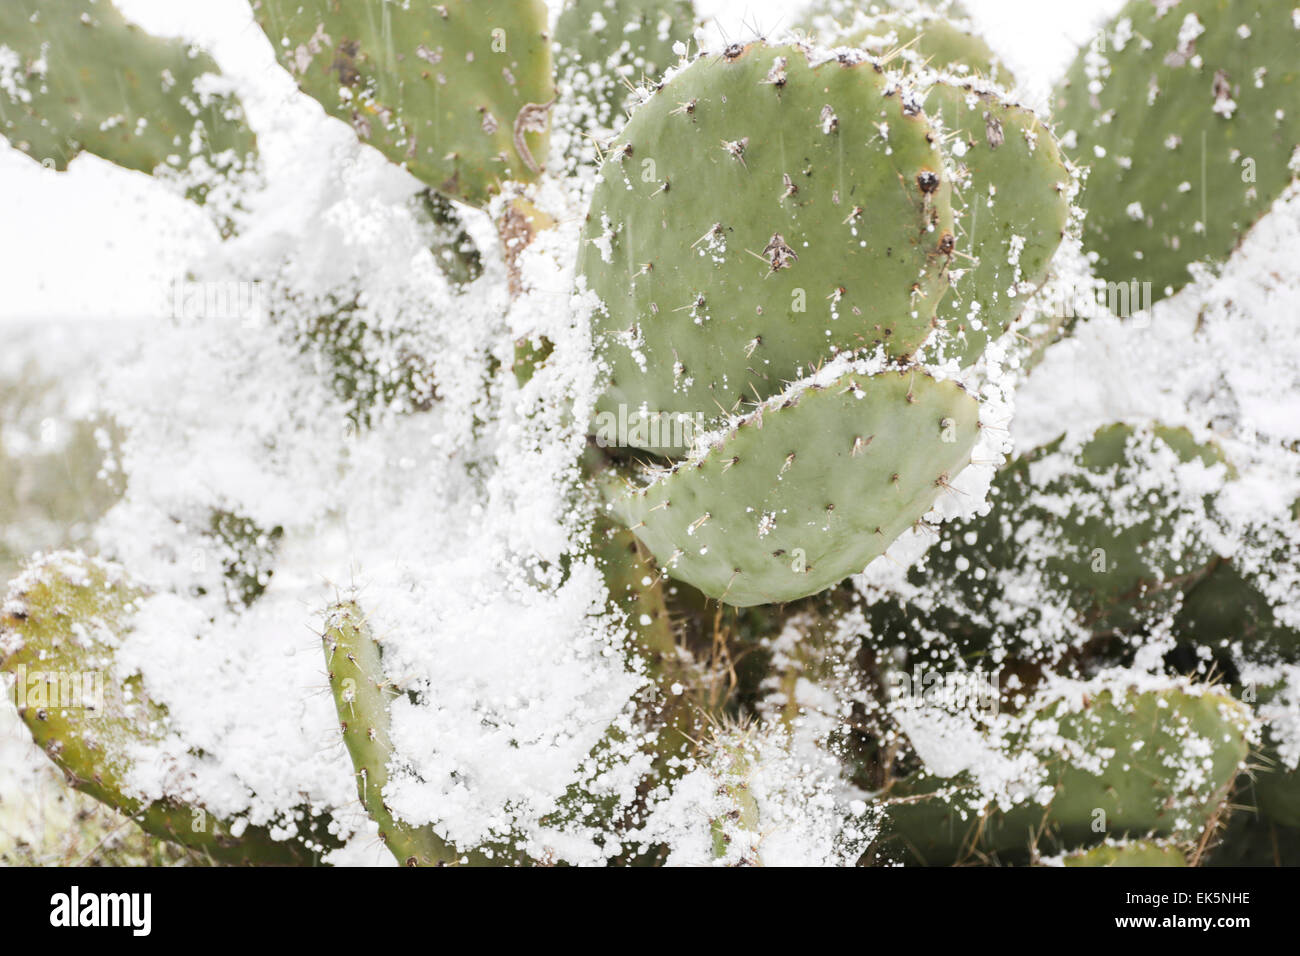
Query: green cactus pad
1188,119
606,47
1012,204
457,92
1100,523
1118,764
57,636
636,590
737,831
75,75
921,36
1131,853
808,489
1227,607
362,695
755,216
1123,556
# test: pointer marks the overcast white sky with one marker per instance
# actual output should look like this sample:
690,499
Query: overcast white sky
99,242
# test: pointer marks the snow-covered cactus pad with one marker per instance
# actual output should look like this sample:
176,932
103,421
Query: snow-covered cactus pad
362,694
606,49
457,92
758,215
64,620
1091,534
808,488
75,75
1012,203
1097,761
1187,113
1126,853
920,35
636,589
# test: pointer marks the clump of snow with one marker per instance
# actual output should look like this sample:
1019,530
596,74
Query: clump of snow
765,806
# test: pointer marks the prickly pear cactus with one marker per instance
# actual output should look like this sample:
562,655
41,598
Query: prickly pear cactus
456,92
362,694
731,258
606,50
79,77
1184,113
61,625
766,516
1092,534
693,451
1180,754
1128,853
736,829
921,36
1012,205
